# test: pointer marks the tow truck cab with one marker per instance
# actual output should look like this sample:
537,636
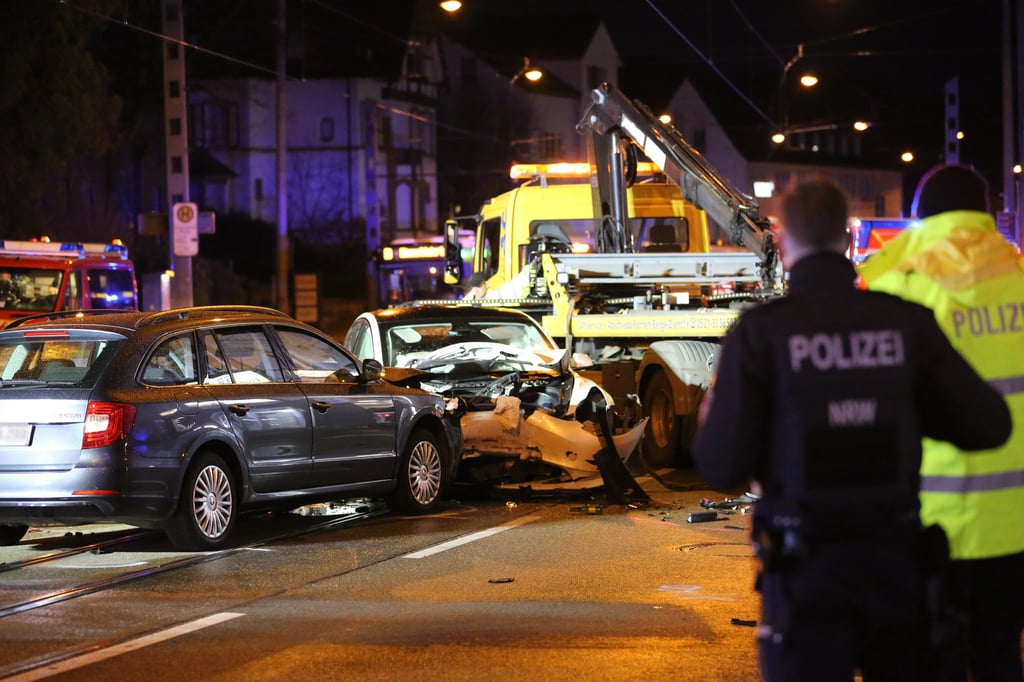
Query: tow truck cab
42,276
558,206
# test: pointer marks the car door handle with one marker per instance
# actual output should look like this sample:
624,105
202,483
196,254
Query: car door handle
320,406
240,410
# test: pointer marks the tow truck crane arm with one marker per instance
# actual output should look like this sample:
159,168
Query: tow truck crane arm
611,118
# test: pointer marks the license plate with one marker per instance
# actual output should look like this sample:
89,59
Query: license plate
15,434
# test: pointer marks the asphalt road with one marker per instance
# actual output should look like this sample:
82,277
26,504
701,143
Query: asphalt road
482,590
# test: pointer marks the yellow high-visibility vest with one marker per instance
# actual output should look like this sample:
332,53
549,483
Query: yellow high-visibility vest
957,264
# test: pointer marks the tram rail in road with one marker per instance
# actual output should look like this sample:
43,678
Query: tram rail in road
70,659
193,559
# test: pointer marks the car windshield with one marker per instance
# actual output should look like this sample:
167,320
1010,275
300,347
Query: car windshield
405,344
32,289
59,360
112,289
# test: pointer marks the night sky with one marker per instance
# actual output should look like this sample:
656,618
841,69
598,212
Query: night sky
886,62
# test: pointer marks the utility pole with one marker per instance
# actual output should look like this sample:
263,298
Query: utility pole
182,225
283,246
1012,134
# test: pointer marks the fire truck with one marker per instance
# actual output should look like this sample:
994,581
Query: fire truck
622,267
43,276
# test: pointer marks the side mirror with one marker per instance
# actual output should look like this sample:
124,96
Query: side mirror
372,370
452,253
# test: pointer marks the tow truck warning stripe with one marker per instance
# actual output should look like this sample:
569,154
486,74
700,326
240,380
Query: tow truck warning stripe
472,537
123,648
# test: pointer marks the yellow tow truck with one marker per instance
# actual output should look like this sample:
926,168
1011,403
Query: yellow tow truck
622,266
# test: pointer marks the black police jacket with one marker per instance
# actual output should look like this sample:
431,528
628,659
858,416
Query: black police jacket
823,396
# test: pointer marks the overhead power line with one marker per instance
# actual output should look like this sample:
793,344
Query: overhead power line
732,86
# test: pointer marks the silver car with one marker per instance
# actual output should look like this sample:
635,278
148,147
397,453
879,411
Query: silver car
185,419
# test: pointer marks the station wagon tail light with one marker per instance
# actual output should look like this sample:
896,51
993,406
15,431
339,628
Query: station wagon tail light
106,423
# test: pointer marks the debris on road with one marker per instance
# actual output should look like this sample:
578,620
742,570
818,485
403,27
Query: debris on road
742,502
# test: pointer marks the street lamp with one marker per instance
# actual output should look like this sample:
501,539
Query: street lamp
807,80
811,81
529,72
451,5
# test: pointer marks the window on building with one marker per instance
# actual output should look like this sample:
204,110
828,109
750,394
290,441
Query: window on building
595,76
415,64
173,89
176,164
174,126
416,125
213,125
257,189
326,129
550,146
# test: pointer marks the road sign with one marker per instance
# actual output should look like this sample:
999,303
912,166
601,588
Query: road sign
185,229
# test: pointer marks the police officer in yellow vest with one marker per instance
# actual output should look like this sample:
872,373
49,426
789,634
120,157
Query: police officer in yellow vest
957,264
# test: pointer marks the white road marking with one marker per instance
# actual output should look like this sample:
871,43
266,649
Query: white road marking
692,592
472,537
123,648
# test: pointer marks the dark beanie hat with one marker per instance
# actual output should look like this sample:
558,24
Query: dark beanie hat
950,188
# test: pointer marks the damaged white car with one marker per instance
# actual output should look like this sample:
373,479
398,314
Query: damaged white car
521,428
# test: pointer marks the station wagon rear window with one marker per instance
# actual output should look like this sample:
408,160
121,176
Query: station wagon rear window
51,358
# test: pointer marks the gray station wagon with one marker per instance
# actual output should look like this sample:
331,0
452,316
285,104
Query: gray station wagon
185,419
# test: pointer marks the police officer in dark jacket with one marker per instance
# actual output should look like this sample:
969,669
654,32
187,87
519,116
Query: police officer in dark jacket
821,399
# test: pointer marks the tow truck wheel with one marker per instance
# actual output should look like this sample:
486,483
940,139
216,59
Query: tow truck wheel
661,439
12,533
